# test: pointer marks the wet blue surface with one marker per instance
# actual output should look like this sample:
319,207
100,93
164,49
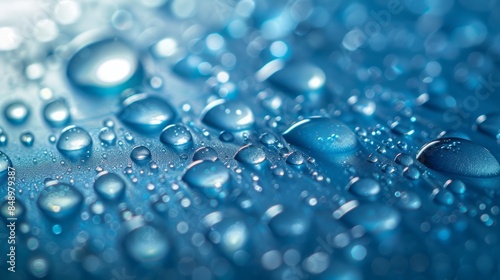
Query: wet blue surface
250,139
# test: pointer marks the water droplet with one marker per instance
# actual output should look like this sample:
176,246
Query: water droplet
59,200
456,186
228,115
291,223
460,157
38,267
56,113
147,245
443,197
403,159
232,237
210,177
107,136
27,139
105,67
146,114
191,67
409,201
5,163
109,186
411,172
298,78
321,137
175,135
16,112
295,158
489,125
373,217
250,154
364,187
205,153
74,142
140,155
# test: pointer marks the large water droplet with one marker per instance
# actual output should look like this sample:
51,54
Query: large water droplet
228,115
147,245
109,186
74,142
59,200
105,67
16,112
146,114
321,137
210,177
175,135
373,217
460,157
300,77
56,113
250,154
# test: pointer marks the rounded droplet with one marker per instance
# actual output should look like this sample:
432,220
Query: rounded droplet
5,163
409,201
74,141
12,209
403,159
16,112
411,172
364,187
191,67
147,245
175,135
291,222
460,157
39,267
444,197
228,115
146,114
250,154
295,158
211,177
205,153
300,77
456,186
56,113
489,124
105,67
321,136
109,186
107,136
59,200
27,139
373,217
232,237
140,155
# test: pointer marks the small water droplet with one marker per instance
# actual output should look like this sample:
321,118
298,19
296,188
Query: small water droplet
140,155
210,177
107,136
250,154
74,142
175,135
147,245
16,112
364,187
205,153
228,115
56,113
59,200
27,139
109,186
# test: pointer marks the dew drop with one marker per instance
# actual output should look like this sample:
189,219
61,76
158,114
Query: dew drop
16,112
460,157
56,113
299,77
147,245
59,200
140,155
364,187
107,136
104,67
146,114
250,154
205,153
27,139
109,186
228,115
373,217
210,177
175,135
321,137
74,142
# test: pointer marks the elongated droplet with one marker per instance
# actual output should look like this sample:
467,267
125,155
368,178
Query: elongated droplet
250,154
175,135
105,67
373,217
460,157
364,187
489,125
74,142
210,177
146,114
109,186
299,77
228,115
321,137
59,200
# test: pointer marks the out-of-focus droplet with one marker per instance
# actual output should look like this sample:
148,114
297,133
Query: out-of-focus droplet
209,177
364,187
56,113
147,245
16,112
59,200
228,115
